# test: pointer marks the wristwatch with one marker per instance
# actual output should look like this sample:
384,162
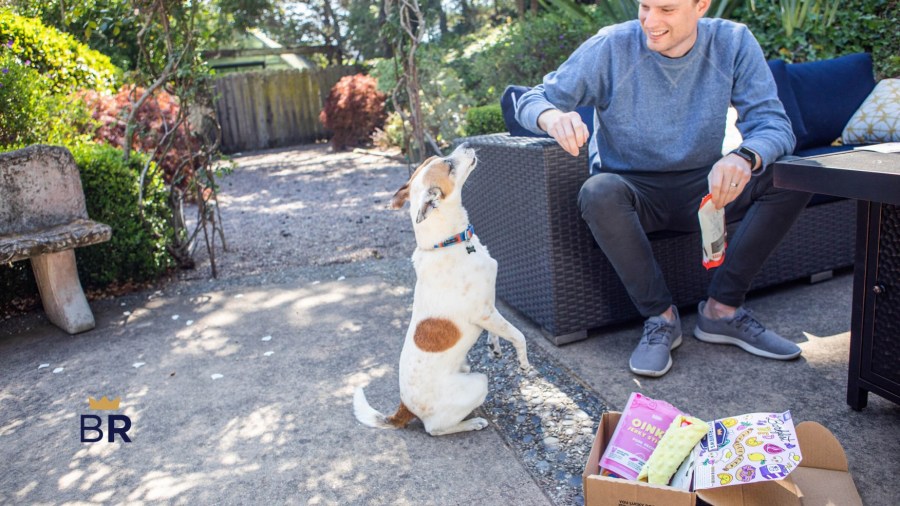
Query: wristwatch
748,155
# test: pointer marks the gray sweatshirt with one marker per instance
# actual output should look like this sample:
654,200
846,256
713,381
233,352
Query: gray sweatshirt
654,113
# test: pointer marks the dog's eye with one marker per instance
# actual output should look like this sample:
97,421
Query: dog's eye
450,165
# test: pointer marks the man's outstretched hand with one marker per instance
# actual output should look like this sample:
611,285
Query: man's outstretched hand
566,127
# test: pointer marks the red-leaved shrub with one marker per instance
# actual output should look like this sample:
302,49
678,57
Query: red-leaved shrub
156,116
353,110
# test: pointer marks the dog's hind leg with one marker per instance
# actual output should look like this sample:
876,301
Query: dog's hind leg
497,325
463,393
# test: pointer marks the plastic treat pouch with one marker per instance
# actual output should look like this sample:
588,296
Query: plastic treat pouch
712,232
643,423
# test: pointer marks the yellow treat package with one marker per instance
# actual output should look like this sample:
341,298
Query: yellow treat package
676,444
712,232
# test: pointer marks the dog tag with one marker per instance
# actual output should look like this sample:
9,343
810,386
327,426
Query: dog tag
470,248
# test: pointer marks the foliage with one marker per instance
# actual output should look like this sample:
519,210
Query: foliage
137,249
860,25
392,134
525,51
21,107
30,112
486,119
107,26
65,62
156,119
443,95
353,110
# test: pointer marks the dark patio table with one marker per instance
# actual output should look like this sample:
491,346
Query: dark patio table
873,179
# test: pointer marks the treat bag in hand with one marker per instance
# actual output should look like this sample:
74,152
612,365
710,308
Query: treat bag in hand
712,231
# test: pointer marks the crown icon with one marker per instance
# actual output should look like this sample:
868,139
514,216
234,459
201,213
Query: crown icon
104,403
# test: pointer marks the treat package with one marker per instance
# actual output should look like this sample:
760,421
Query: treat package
676,444
643,423
712,232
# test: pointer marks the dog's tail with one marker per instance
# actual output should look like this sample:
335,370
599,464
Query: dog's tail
369,416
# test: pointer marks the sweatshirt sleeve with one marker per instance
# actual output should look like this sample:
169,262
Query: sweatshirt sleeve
762,121
577,82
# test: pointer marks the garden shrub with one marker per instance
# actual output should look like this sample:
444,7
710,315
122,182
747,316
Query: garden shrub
353,110
154,118
486,119
67,63
22,108
391,135
137,249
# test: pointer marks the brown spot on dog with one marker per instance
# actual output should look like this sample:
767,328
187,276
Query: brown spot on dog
436,334
402,417
402,195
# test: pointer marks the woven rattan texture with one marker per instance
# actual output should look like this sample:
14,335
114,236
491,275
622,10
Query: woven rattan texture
522,199
885,345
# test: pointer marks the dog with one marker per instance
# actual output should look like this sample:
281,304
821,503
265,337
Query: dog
453,302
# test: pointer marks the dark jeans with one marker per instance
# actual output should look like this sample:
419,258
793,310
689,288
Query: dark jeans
622,208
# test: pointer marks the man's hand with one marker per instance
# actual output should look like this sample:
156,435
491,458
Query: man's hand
727,179
566,127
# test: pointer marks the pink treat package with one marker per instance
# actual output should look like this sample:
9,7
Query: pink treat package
642,425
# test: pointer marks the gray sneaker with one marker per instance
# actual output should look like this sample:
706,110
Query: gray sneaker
745,331
652,357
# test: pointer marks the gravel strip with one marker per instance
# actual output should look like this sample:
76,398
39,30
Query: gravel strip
549,418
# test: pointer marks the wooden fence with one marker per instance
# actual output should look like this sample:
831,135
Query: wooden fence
259,110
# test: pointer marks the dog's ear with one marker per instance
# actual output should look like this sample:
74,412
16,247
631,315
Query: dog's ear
430,201
400,197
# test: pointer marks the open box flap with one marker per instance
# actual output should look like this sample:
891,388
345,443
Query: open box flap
820,448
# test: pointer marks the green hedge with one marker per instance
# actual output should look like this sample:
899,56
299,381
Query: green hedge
487,119
136,252
137,249
68,64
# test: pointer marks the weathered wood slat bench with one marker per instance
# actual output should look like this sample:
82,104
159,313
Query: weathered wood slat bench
42,218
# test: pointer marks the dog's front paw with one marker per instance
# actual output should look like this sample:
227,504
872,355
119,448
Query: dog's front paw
526,369
494,341
478,423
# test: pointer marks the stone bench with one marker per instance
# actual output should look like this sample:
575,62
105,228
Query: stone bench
42,218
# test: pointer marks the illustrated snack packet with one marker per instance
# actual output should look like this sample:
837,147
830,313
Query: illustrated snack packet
643,423
712,232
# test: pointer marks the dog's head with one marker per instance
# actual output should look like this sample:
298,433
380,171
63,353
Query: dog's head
436,182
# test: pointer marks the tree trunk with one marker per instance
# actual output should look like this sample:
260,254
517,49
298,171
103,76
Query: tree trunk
520,8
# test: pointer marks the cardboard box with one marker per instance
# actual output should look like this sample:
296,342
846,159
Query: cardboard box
822,479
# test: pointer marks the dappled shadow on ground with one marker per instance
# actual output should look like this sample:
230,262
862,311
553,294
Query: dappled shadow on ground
231,394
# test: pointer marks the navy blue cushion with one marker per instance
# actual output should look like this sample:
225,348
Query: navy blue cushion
786,95
828,93
508,105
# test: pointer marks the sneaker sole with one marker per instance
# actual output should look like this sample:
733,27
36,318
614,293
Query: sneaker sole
655,374
749,348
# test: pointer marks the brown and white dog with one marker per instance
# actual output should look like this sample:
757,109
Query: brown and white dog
452,304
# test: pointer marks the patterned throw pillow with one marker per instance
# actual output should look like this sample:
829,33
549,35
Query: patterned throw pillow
878,118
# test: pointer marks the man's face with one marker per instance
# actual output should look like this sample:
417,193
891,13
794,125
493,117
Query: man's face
671,25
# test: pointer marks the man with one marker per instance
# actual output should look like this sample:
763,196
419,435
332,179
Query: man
661,86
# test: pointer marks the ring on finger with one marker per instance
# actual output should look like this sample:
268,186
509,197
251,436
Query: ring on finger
734,185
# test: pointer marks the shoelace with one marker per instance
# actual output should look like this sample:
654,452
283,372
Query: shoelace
745,320
654,333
